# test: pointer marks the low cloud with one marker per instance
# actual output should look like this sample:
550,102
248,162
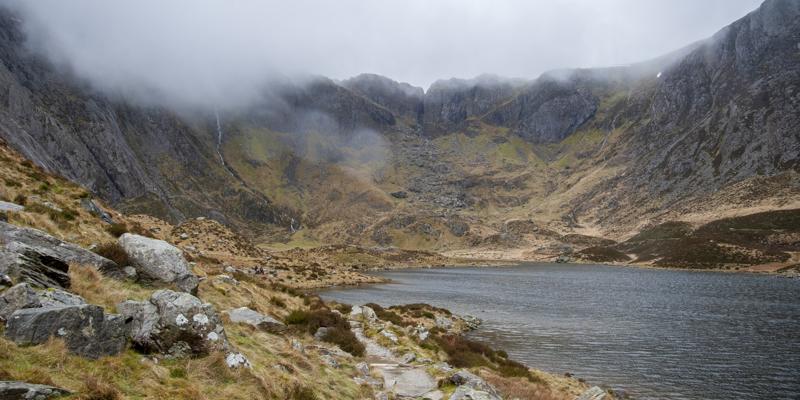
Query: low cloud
223,52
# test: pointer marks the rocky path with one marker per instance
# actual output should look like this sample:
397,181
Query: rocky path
399,378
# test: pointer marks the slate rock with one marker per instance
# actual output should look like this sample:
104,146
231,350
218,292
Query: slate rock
30,255
13,390
86,329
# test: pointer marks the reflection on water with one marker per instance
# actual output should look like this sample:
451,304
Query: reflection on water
658,334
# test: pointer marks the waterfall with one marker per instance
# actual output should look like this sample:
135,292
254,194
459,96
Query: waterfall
219,145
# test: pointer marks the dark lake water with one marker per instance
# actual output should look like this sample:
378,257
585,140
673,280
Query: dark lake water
658,334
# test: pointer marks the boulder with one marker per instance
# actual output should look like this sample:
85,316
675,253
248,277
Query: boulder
464,378
170,320
24,296
56,297
369,313
593,393
86,329
11,207
157,260
17,297
443,322
255,319
33,256
406,382
237,360
30,255
321,333
12,390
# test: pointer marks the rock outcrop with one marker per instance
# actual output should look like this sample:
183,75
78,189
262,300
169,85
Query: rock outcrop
159,261
24,296
244,315
30,255
174,323
12,390
85,329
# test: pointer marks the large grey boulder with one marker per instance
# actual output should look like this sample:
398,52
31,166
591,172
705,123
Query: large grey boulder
23,295
86,329
30,255
159,261
171,320
12,390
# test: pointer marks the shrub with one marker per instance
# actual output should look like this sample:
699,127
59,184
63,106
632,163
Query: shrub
96,390
465,353
296,317
346,340
178,373
277,301
12,183
117,229
44,187
21,199
302,393
114,252
387,315
339,332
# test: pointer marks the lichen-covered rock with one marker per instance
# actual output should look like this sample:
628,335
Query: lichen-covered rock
159,261
12,390
237,360
172,319
244,315
85,329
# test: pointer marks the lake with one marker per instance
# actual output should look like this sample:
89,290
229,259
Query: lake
657,334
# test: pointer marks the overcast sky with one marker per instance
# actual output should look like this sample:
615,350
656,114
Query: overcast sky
215,48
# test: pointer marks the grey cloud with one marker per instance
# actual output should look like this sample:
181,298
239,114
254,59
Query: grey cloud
218,51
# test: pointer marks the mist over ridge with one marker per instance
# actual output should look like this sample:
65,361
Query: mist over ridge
215,53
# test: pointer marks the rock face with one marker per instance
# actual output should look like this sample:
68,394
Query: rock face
86,329
159,261
255,319
10,390
31,255
400,98
547,111
449,103
171,321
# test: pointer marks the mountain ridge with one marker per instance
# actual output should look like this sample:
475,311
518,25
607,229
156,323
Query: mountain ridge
605,151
